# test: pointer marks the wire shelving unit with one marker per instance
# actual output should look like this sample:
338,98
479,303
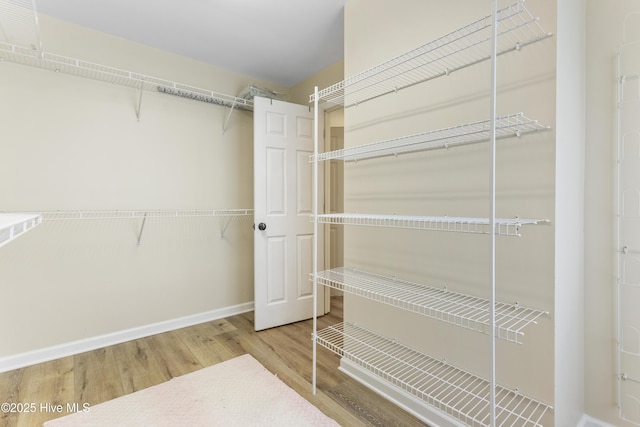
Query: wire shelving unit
472,400
459,49
13,225
504,226
463,310
460,394
514,125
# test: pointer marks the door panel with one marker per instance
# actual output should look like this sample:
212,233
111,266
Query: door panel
276,268
304,174
276,181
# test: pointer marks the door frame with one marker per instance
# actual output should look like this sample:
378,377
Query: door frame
333,117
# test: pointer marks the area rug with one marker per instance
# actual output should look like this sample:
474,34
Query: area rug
238,392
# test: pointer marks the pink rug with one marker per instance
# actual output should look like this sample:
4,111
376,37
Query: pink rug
238,392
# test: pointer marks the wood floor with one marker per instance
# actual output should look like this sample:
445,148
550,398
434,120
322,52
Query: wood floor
109,372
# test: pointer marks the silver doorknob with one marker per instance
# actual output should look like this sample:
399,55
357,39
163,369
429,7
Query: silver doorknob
262,226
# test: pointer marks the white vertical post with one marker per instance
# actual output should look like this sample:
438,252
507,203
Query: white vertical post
492,213
315,234
617,244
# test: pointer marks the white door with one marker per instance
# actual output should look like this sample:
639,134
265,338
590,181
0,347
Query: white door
283,204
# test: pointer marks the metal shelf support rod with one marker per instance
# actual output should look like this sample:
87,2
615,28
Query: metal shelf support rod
492,216
226,120
144,219
315,238
139,107
224,228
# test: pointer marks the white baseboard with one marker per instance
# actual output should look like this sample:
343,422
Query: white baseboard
21,360
416,407
587,421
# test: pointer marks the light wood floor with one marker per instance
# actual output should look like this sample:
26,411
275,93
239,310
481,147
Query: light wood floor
109,372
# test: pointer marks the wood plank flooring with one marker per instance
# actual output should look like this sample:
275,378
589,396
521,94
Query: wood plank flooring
110,372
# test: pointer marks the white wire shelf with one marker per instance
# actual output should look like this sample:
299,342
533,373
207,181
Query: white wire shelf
13,225
132,214
514,125
464,47
438,303
227,216
49,61
503,226
461,394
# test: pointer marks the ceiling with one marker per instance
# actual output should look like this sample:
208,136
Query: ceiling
280,41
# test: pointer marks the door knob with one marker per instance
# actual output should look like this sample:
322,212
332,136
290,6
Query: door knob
262,226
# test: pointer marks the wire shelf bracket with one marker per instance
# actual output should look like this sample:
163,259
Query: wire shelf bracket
139,106
226,120
144,220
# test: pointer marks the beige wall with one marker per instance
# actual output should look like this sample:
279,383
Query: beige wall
75,144
604,36
332,74
455,182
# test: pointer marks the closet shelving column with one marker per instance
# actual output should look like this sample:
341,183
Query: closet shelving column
463,395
